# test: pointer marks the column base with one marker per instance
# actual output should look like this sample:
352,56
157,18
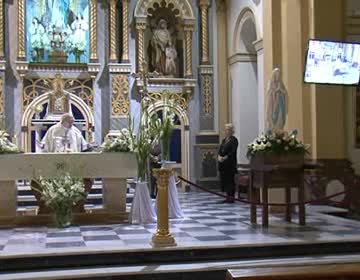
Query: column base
162,240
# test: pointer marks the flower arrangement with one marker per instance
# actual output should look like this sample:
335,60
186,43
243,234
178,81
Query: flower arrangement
277,142
61,193
6,147
120,143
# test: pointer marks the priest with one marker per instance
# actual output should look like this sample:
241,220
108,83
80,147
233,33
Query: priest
64,137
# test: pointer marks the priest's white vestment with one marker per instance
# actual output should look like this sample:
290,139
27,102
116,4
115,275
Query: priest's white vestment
61,139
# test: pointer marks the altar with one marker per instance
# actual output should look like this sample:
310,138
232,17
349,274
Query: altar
113,168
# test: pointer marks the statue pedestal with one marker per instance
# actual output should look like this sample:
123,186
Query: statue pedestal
270,171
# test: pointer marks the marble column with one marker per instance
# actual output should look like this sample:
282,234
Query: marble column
207,139
222,73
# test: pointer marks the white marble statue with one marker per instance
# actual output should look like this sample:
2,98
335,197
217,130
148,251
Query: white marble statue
58,9
277,102
79,28
38,36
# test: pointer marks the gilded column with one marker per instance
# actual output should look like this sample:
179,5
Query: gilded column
140,30
112,31
1,29
204,8
188,48
93,31
162,237
125,31
21,55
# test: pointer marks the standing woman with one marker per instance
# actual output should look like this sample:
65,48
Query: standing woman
228,163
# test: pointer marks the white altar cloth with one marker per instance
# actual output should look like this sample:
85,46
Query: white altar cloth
175,211
142,209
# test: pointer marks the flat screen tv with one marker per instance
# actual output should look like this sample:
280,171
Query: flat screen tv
329,62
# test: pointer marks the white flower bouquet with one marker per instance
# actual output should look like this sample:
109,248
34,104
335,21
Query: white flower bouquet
6,147
61,194
122,143
277,142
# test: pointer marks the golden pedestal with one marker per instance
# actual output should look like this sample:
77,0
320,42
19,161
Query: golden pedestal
58,57
162,237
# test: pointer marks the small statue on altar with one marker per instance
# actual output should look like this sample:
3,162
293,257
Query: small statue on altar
277,102
163,52
59,99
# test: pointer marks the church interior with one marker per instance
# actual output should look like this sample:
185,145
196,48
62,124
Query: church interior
124,124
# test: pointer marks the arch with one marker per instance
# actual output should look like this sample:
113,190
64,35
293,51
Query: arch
183,6
185,141
43,99
245,17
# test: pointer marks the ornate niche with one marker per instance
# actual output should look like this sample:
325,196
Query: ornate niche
57,33
164,40
46,99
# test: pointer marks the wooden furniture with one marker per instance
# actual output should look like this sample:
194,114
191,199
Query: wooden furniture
306,272
113,168
273,171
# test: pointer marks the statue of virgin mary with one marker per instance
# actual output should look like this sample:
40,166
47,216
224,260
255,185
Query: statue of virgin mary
58,10
277,102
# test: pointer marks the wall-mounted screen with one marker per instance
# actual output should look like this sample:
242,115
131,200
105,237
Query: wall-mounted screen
329,62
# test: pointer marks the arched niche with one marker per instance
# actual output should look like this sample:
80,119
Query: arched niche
143,8
183,125
27,123
180,20
245,32
244,89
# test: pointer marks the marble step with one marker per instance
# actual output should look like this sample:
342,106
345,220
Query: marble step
190,271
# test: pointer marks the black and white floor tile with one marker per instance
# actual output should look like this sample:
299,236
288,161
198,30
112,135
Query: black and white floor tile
207,222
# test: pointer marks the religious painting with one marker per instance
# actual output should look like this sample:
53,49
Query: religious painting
57,31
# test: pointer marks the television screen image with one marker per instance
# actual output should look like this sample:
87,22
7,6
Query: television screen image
332,63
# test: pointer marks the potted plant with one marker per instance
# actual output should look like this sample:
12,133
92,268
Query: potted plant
61,193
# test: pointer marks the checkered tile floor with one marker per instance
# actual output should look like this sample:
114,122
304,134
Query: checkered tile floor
207,222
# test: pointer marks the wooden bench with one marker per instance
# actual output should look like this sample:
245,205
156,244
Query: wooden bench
311,272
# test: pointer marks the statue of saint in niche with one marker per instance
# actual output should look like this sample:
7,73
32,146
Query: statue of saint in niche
59,99
163,52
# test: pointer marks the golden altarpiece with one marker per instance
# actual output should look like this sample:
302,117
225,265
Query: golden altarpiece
97,59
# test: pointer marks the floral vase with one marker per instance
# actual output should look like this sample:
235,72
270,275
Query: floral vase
63,216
